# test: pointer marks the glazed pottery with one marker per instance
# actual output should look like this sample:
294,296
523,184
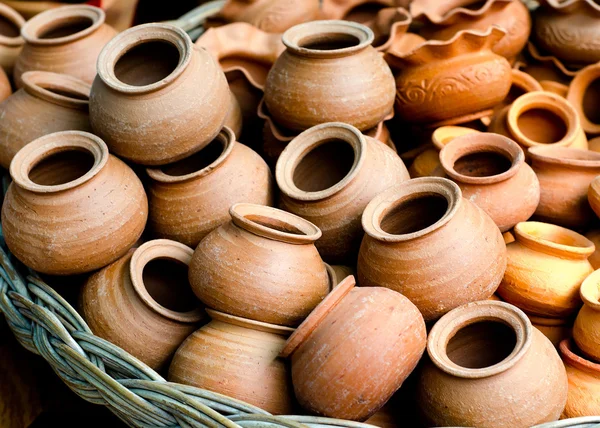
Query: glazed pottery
261,265
11,41
147,103
355,350
327,175
72,207
485,358
546,266
304,87
584,382
237,357
143,302
565,175
594,196
584,95
426,241
586,330
594,236
47,103
555,329
451,82
490,170
191,197
64,40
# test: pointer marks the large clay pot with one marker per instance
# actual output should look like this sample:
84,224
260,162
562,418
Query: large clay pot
426,241
555,329
490,170
327,175
237,357
304,87
546,266
143,302
47,103
72,207
65,40
147,102
584,95
355,350
11,41
261,265
584,382
586,330
484,358
594,236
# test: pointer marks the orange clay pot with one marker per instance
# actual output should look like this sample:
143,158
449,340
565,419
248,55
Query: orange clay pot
555,329
586,330
337,273
584,95
11,41
555,87
594,196
5,87
584,382
594,144
594,236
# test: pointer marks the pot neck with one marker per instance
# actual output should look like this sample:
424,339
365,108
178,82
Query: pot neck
590,291
553,240
249,324
60,89
12,16
565,157
571,356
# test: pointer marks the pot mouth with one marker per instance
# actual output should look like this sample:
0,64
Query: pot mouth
465,342
590,290
59,161
11,23
547,237
248,323
572,355
411,209
584,95
320,161
124,62
445,134
63,24
154,284
565,156
60,89
275,224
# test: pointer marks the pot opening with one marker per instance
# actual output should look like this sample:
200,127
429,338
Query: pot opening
415,214
591,101
147,63
275,224
65,27
63,91
62,167
554,234
542,126
8,28
328,41
166,280
197,161
482,164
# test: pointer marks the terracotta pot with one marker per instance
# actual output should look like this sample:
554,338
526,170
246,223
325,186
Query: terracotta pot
337,273
584,95
555,87
451,82
5,87
586,330
146,102
594,144
237,357
304,87
327,175
64,40
484,358
508,237
418,232
72,207
355,350
555,329
191,197
490,170
261,265
584,382
594,196
11,41
546,266
390,27
355,10
234,119
143,302
551,64
47,103
594,236
565,175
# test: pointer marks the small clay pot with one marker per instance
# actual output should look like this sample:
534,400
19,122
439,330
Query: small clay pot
65,40
555,329
261,265
586,330
594,196
584,382
426,241
594,236
485,357
327,175
237,357
355,350
146,102
565,175
11,41
546,266
47,103
304,87
143,302
72,207
584,95
191,197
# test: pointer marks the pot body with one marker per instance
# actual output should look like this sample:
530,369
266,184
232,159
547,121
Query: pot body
594,259
594,196
584,383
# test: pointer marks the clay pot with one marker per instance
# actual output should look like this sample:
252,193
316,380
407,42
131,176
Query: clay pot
304,87
546,266
72,207
355,10
47,103
485,358
555,87
234,119
355,350
191,197
143,302
565,175
237,357
65,40
337,273
146,102
5,87
261,265
451,82
584,95
508,237
327,175
11,41
584,382
594,196
586,330
555,329
550,65
424,240
594,236
594,144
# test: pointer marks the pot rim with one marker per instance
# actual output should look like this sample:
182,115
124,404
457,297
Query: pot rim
564,5
442,133
576,93
447,17
32,81
590,290
15,18
539,241
565,156
248,323
566,351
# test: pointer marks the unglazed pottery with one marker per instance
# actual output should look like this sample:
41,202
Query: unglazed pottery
337,273
11,41
355,350
555,87
261,265
355,10
304,87
47,103
555,329
549,64
488,367
594,196
5,87
327,175
143,302
237,357
584,95
64,40
72,207
586,330
546,266
594,236
157,98
594,144
426,241
584,382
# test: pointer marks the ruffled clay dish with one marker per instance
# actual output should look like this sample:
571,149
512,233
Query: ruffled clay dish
555,62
